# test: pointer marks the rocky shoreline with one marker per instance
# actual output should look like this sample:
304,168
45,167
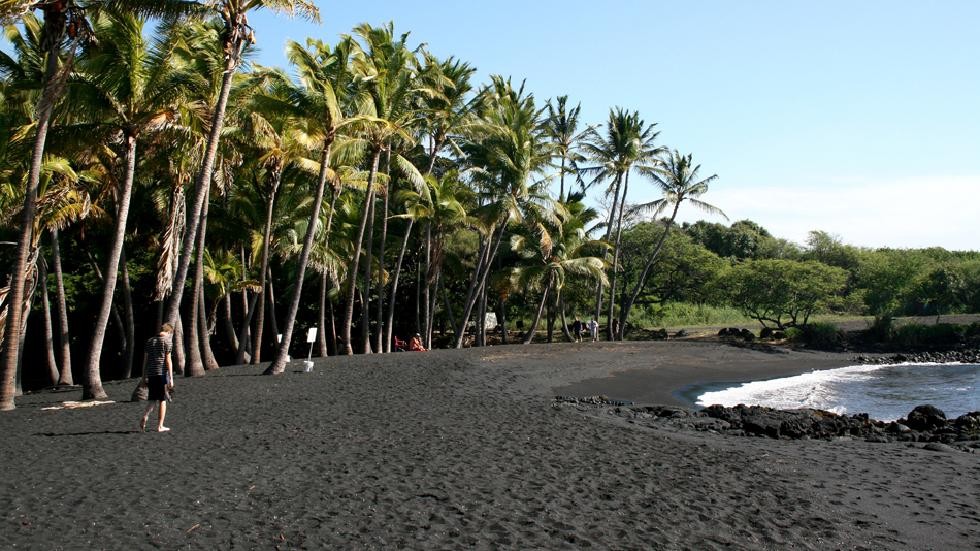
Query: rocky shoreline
950,356
924,424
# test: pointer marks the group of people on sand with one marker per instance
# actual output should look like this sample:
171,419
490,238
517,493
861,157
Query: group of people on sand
414,345
579,326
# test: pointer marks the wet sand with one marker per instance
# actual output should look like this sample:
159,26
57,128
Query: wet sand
462,449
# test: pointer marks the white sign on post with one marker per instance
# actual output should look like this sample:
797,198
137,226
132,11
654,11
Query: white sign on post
311,335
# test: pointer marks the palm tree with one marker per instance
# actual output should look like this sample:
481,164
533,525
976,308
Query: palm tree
384,118
627,142
554,247
129,89
449,112
235,36
65,29
513,148
327,84
562,127
678,180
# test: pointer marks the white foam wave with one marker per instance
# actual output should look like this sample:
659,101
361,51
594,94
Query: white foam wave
809,390
858,387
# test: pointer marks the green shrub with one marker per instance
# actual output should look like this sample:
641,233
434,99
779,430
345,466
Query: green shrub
823,336
881,330
941,335
794,334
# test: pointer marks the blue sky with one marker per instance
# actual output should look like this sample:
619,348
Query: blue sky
857,118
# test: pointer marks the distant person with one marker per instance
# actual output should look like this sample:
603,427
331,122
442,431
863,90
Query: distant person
594,329
615,329
158,374
577,329
416,344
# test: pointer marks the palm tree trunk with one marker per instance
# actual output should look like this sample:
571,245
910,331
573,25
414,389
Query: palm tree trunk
537,317
609,227
481,318
180,359
195,363
380,345
128,316
204,335
641,282
431,308
485,268
333,328
279,364
615,264
345,325
229,324
366,304
325,349
271,310
64,340
561,311
424,281
550,322
51,362
266,238
394,286
248,310
485,246
447,304
15,298
321,334
93,384
502,320
561,188
203,181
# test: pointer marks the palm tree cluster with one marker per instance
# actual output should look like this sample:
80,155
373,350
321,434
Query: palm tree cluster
193,187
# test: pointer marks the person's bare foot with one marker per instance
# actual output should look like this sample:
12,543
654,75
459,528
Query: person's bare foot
142,425
163,429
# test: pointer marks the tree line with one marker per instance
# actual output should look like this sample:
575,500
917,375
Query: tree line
782,284
151,172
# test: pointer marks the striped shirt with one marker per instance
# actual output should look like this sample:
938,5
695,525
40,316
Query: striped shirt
157,349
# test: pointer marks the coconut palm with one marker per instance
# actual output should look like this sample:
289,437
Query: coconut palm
384,120
628,141
678,180
64,30
128,88
449,112
320,101
236,36
554,247
512,149
562,127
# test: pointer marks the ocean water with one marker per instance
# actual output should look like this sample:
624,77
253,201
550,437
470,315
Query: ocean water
886,392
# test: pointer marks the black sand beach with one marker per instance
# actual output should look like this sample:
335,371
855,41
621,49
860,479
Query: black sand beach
462,449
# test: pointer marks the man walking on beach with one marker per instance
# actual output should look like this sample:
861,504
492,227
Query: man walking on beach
594,329
158,374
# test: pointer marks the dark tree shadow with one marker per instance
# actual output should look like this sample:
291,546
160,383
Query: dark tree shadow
87,433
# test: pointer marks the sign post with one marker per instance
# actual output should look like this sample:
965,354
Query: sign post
310,338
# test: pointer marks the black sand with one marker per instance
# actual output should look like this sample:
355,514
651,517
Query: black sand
461,449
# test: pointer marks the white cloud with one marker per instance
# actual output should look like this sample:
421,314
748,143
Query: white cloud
912,212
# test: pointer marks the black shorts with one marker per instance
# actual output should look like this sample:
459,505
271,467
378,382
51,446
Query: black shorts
157,388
